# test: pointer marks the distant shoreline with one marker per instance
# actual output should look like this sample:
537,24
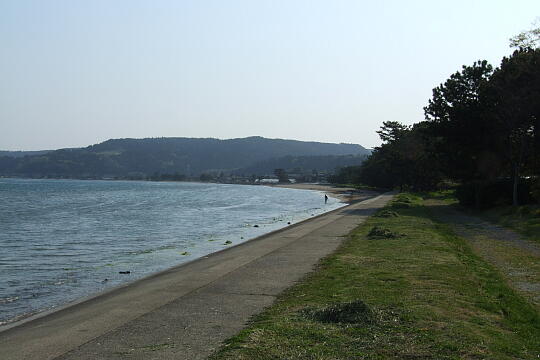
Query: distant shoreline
303,186
339,192
344,194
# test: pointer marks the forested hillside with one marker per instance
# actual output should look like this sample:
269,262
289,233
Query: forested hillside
17,154
140,158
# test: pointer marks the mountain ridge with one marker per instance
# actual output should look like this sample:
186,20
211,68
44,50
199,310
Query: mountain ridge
129,157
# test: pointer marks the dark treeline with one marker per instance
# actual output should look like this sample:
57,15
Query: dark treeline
303,164
480,131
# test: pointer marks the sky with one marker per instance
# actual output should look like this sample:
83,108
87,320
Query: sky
75,73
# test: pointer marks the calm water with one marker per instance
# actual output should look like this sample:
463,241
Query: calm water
64,239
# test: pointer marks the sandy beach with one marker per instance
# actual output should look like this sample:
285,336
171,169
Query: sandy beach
345,194
187,311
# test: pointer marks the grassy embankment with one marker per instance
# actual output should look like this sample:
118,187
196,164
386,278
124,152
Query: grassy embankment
524,219
411,289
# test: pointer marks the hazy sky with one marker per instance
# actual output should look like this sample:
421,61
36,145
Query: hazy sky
75,73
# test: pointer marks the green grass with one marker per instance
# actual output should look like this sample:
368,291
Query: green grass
523,219
420,295
447,196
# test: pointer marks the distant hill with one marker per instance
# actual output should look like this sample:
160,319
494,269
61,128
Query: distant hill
144,157
17,154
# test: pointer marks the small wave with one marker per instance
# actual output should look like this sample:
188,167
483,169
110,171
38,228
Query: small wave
228,207
141,252
8,300
149,251
61,255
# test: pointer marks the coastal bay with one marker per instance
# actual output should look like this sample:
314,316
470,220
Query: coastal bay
63,240
196,305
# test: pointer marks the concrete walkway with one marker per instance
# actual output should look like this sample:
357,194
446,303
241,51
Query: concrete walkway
186,312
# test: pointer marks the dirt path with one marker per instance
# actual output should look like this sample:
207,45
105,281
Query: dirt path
517,258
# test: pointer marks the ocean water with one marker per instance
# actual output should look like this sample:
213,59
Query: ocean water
61,240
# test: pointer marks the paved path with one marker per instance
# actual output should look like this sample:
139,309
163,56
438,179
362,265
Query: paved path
186,312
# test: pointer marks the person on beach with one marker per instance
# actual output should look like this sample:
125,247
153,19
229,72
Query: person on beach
325,199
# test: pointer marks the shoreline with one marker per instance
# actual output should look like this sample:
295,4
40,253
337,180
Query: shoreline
329,188
39,313
344,194
116,307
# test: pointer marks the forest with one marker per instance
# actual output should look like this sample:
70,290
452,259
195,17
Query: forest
480,135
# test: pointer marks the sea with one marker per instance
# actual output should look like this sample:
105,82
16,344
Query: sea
63,240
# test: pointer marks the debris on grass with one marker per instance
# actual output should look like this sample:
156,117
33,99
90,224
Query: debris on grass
379,232
354,312
386,214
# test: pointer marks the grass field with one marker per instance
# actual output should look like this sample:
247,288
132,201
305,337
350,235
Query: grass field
402,286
